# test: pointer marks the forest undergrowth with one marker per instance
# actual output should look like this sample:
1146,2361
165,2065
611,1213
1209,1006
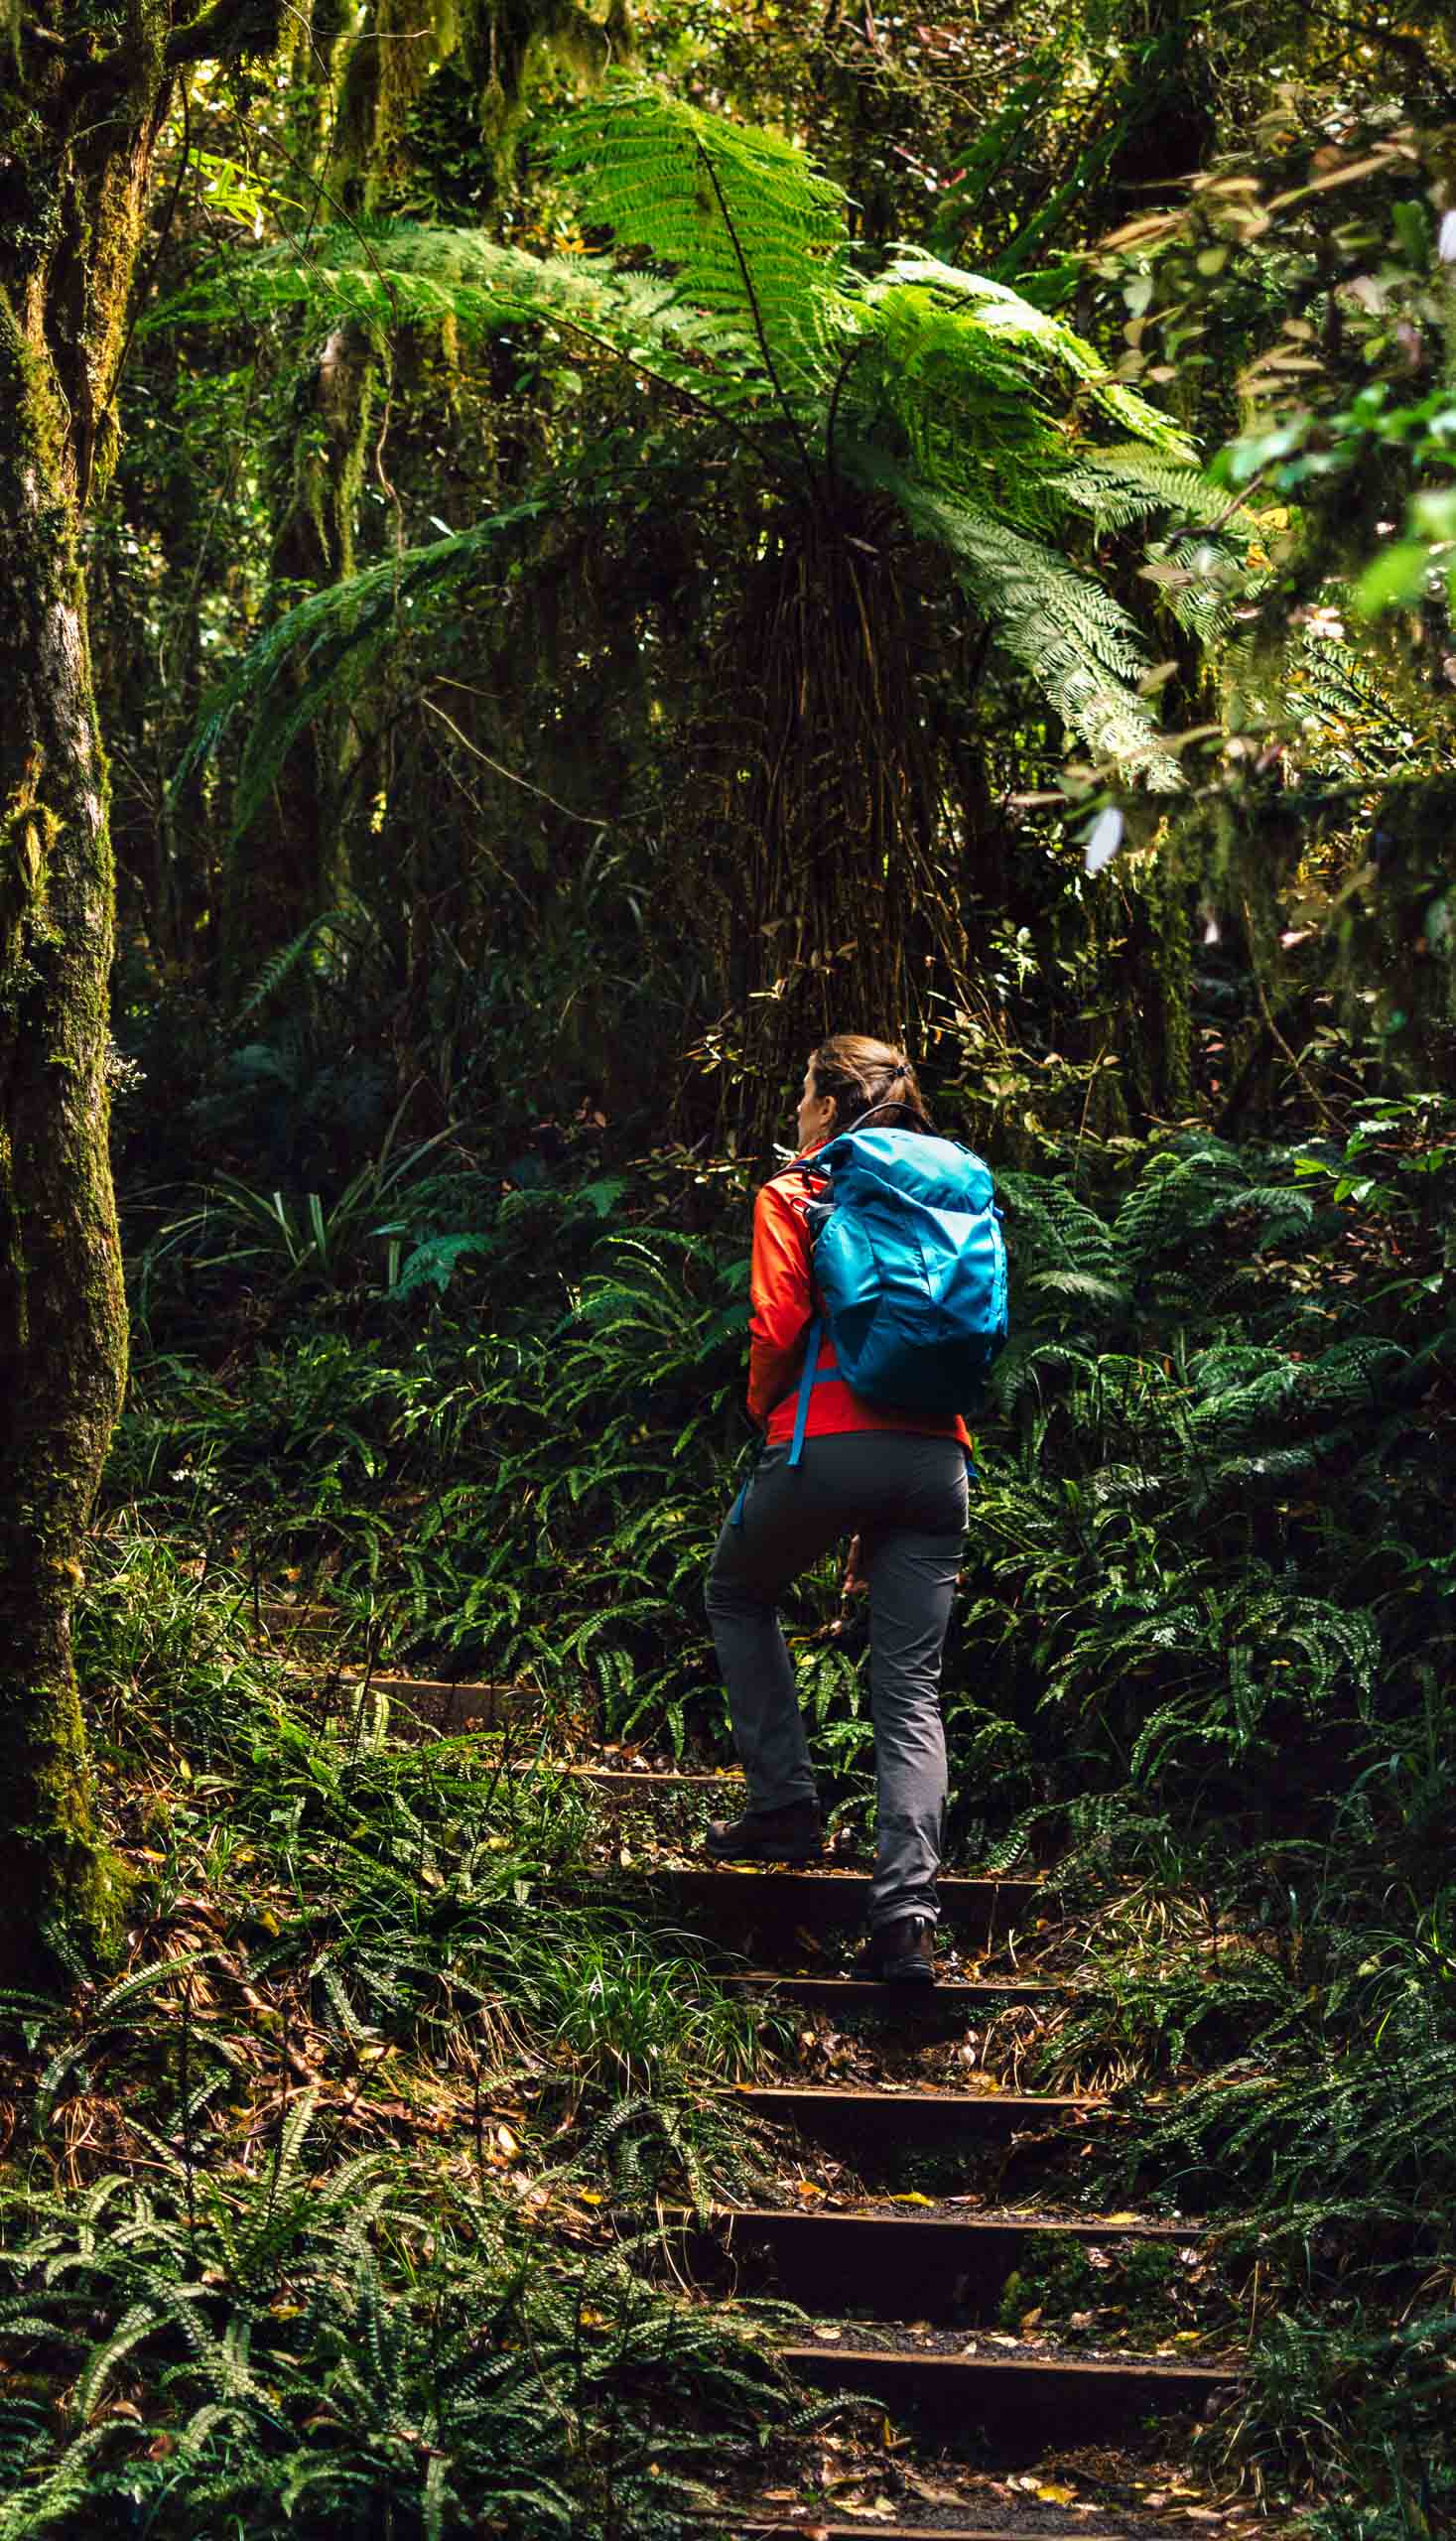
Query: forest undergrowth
308,2208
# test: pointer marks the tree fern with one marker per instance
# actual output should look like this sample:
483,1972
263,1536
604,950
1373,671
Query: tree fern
975,415
411,274
1132,479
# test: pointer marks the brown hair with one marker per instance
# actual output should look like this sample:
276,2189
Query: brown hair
869,1076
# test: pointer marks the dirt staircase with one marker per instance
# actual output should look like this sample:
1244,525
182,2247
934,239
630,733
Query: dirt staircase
917,2207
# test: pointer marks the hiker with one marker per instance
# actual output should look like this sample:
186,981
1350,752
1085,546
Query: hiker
894,1483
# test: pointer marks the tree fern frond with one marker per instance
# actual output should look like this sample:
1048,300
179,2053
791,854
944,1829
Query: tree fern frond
1129,481
338,634
739,216
416,275
1352,719
1024,331
1080,646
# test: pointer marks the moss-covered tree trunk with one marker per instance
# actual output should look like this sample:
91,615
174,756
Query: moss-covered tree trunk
81,106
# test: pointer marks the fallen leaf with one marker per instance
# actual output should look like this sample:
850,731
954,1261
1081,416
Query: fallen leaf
1052,2494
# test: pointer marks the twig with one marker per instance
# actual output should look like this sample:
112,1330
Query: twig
588,820
1324,1110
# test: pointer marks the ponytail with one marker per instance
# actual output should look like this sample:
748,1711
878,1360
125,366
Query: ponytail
867,1077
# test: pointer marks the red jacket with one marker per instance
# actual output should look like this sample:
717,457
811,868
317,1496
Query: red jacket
782,1291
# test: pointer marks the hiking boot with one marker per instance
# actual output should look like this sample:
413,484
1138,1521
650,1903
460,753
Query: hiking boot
899,1954
790,1834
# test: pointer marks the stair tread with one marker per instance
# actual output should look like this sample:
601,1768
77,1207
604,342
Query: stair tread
854,1991
945,2217
758,2527
867,2342
912,2095
753,2521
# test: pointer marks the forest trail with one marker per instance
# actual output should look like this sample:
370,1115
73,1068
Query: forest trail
1038,2365
907,2284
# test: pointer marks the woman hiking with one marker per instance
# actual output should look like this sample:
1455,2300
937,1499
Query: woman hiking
894,1483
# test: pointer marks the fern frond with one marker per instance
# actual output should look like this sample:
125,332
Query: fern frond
1083,1284
748,227
1080,646
1180,1195
1043,344
1131,480
433,1261
338,633
281,965
409,274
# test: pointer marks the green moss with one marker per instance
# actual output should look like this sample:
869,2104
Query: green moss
79,1890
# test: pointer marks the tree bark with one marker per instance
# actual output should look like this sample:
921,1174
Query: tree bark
79,126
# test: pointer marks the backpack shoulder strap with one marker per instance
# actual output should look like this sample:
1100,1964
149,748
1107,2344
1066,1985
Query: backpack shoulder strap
806,1388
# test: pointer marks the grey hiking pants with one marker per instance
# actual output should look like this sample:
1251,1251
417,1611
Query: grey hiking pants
905,1498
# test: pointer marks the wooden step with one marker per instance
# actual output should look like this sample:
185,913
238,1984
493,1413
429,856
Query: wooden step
932,2263
620,1778
916,2121
748,2527
950,1999
278,1617
732,1905
1023,2401
424,1705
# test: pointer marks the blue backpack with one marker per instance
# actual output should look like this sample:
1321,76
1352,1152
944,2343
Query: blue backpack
911,1269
